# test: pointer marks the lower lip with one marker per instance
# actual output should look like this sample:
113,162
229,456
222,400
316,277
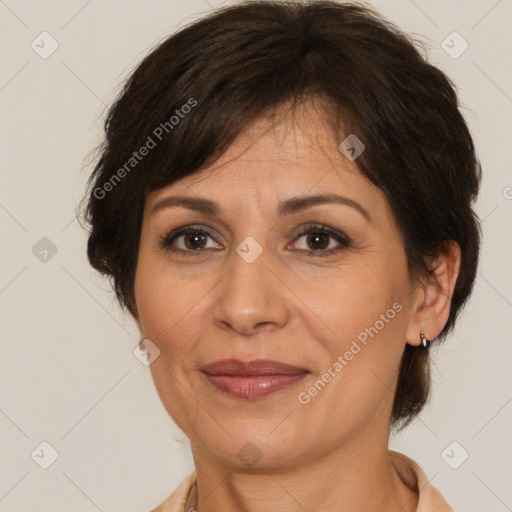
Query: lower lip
252,387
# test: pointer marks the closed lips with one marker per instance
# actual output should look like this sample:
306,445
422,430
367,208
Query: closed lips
251,380
236,367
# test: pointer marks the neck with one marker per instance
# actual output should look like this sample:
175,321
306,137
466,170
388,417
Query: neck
360,478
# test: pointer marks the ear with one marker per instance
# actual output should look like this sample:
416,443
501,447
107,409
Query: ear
433,296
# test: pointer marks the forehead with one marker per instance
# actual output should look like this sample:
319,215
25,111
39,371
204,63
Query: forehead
275,157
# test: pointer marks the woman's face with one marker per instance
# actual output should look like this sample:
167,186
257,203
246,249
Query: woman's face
335,305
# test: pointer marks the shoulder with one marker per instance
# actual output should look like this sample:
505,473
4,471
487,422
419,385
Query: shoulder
176,501
430,499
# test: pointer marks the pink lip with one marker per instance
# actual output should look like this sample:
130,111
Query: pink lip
252,379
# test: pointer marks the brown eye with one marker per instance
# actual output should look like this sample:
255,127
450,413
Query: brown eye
188,239
321,240
196,240
318,240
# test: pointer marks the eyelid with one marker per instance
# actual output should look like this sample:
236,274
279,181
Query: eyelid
313,227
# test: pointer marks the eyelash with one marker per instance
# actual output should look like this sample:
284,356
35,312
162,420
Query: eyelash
341,238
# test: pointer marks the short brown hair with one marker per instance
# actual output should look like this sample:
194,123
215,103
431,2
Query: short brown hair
242,61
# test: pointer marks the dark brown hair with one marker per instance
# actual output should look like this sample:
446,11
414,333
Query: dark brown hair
196,91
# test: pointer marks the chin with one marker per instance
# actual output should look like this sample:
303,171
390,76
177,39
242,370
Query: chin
255,443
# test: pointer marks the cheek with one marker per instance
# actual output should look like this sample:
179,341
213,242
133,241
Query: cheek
163,298
175,312
361,299
170,309
367,314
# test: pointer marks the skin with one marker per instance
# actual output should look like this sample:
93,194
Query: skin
288,305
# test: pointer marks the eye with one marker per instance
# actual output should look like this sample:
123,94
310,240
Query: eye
317,237
189,239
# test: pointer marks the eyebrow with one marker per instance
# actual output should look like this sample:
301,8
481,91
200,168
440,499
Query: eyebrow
293,205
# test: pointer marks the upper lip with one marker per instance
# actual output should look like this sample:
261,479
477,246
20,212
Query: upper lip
236,367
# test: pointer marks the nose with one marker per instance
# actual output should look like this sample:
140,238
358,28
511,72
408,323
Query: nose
251,297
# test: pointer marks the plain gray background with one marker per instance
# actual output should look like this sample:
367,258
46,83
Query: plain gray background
68,373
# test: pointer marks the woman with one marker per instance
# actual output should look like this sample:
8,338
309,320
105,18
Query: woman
284,205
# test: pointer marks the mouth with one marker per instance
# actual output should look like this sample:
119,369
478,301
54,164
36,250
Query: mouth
251,380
